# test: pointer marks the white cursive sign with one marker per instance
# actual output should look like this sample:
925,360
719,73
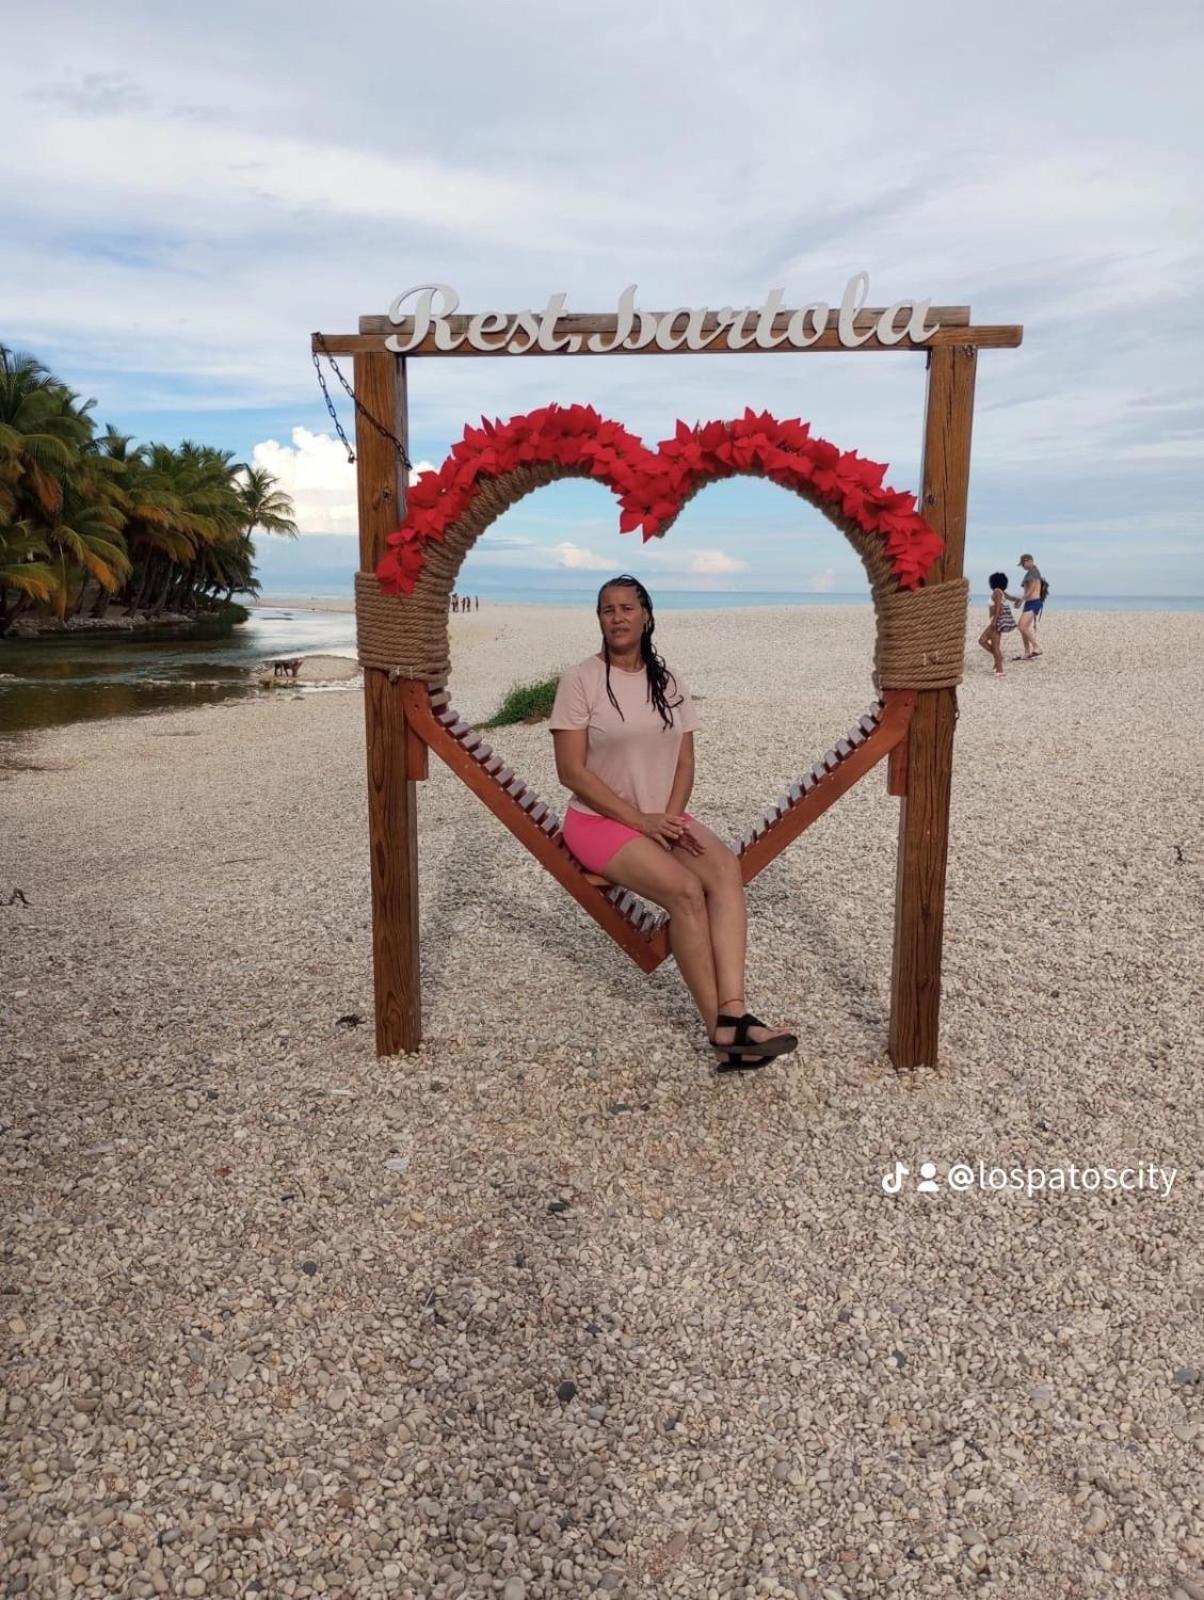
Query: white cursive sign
687,328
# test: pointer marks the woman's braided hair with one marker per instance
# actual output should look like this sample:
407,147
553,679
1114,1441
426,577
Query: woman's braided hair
661,682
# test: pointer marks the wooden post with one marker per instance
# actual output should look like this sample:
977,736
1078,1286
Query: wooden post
392,800
915,1001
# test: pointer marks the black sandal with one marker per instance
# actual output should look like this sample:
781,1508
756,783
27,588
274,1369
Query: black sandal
744,1054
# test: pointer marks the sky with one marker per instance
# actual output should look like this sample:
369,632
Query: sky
188,194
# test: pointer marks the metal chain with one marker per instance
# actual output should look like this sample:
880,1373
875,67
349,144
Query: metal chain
359,406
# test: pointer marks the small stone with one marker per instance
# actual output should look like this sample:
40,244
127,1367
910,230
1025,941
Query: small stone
557,1206
1103,1559
781,1470
1097,1521
1185,1376
515,1589
239,1368
309,1268
194,1587
565,1391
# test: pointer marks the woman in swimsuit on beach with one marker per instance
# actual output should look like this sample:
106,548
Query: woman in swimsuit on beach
999,620
623,726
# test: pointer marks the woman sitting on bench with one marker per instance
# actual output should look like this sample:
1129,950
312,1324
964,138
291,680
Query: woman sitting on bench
623,726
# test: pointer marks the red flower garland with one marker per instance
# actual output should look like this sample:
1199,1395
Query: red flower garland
652,485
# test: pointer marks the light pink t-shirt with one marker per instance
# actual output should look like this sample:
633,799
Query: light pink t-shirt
635,755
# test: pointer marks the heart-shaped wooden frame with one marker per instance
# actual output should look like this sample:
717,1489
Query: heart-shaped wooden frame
495,466
637,928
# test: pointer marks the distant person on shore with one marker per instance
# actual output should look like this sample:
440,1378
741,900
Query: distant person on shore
477,606
999,620
1031,600
623,727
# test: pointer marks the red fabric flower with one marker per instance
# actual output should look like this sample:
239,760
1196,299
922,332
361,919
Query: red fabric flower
651,485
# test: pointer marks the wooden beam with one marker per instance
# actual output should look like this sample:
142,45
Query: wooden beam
991,336
392,799
827,789
924,811
896,771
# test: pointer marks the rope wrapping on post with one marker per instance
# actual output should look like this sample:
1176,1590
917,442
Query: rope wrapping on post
922,637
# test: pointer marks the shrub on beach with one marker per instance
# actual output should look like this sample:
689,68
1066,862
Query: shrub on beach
526,702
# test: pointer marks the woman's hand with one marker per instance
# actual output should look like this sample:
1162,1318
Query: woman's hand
663,827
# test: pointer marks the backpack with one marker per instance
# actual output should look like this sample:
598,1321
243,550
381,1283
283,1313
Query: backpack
1044,591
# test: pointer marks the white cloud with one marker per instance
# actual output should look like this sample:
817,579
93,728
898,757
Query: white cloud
315,473
822,582
206,217
714,563
696,563
580,560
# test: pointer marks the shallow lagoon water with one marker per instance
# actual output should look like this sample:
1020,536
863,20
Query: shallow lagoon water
74,678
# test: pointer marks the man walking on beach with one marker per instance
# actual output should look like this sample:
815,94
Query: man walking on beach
1029,600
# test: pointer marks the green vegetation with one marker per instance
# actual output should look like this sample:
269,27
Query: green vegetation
526,702
90,520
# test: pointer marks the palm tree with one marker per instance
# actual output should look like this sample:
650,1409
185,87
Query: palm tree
84,516
25,570
47,515
264,505
183,500
41,435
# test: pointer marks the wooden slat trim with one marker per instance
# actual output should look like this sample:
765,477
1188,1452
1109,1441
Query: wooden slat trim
826,788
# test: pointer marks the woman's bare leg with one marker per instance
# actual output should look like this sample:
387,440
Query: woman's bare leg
662,877
992,643
718,870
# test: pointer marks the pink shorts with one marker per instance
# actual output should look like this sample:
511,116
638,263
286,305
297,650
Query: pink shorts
593,841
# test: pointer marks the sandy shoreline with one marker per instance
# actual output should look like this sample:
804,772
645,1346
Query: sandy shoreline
243,1348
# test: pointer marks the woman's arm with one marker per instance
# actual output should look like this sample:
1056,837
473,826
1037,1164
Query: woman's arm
683,777
570,745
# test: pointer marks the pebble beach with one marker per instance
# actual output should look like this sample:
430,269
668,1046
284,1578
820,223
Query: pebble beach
549,1309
